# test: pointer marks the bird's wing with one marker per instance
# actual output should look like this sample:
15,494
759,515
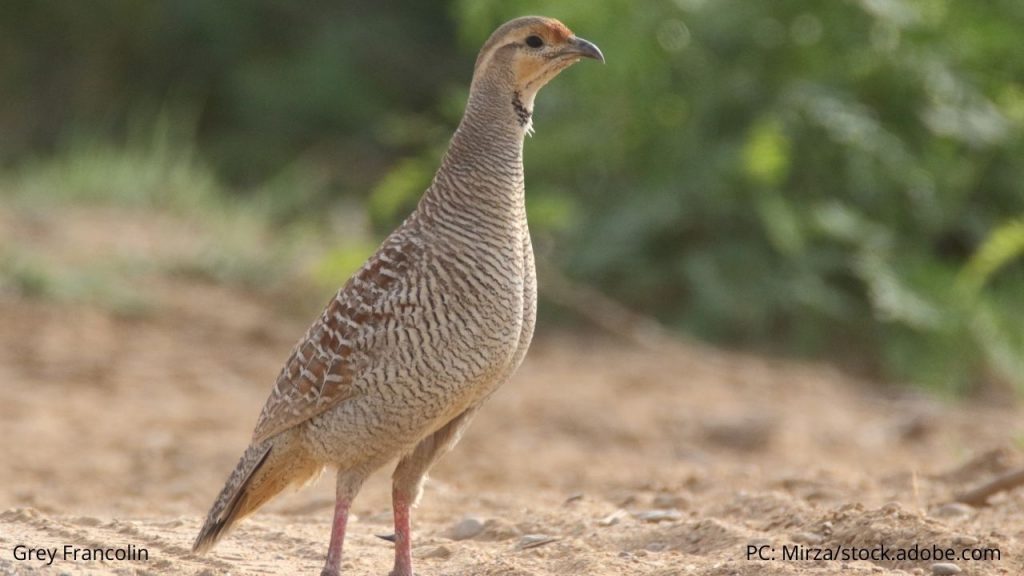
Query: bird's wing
323,366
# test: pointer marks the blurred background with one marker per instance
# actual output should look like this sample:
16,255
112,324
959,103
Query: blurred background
842,181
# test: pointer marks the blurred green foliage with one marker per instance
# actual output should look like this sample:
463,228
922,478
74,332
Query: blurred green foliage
839,180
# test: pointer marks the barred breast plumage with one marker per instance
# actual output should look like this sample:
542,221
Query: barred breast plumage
439,317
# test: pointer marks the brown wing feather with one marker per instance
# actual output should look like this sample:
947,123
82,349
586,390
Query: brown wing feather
321,369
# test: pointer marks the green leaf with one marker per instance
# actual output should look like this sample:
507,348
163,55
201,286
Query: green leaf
1003,245
766,154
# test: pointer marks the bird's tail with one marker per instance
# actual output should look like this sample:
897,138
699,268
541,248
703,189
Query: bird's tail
262,473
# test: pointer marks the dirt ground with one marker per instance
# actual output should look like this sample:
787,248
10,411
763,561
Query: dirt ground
599,458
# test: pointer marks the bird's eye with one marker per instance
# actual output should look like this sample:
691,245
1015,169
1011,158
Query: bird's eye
534,41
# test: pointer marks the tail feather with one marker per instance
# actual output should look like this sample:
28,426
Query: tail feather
265,470
247,489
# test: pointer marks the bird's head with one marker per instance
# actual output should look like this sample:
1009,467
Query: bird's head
522,55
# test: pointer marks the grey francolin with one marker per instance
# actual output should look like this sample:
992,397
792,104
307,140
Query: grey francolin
436,320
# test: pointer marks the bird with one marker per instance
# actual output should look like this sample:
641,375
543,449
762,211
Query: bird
437,319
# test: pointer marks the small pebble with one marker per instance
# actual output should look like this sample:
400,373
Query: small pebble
574,498
468,527
945,569
964,540
534,541
655,516
613,518
953,510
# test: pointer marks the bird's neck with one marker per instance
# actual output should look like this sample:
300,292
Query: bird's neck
481,175
490,135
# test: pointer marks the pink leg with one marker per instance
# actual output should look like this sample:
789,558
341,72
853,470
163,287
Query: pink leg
403,537
333,565
409,476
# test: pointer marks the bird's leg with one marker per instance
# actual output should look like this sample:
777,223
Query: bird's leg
348,486
408,483
401,501
333,565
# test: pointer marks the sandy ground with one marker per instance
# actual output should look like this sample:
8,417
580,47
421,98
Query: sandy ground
598,458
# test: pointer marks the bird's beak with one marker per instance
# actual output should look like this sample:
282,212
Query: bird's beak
580,47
